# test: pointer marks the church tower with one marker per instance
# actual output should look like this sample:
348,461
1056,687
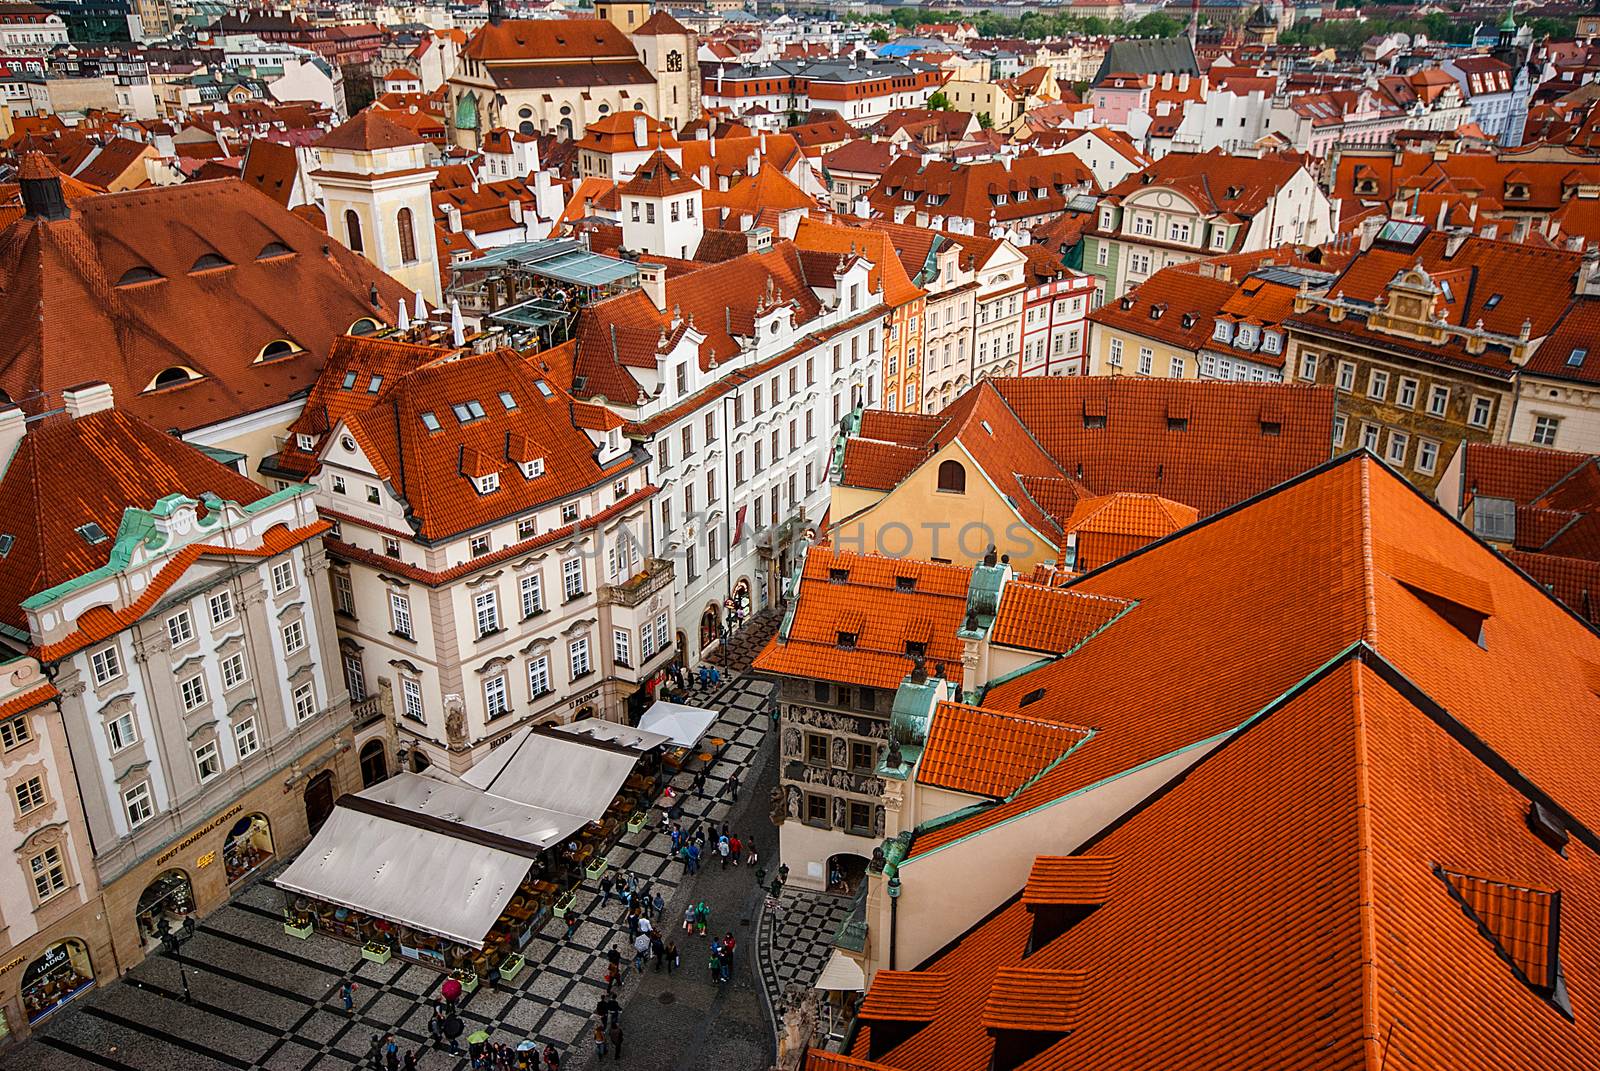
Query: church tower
375,182
625,15
670,50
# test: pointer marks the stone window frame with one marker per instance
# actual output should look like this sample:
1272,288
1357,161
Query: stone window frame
33,771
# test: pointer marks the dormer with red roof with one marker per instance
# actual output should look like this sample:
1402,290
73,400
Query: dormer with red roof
661,209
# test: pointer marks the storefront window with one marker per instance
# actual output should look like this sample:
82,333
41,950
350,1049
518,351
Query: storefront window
249,844
169,897
56,977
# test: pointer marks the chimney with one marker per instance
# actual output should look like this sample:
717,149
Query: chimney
653,281
41,189
13,426
515,207
452,217
641,135
87,398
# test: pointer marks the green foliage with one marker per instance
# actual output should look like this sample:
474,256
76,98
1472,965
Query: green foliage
985,120
939,102
879,36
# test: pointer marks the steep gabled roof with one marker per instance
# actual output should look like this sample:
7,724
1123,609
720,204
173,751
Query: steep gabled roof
367,130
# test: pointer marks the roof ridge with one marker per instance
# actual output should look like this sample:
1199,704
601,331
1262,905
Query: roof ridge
1369,628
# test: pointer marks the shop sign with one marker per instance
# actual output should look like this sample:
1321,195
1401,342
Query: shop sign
197,834
587,697
6,968
205,860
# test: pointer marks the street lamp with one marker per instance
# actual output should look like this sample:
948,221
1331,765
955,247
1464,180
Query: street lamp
173,941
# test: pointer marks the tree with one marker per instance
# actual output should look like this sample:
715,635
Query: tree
879,36
1157,24
939,102
985,121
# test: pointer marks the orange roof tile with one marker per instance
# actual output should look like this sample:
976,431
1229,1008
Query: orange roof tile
28,700
1069,880
1033,998
905,996
888,275
1038,618
885,603
990,753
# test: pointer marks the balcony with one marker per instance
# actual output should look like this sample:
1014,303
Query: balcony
656,575
366,711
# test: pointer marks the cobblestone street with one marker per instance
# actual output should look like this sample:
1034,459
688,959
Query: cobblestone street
265,1000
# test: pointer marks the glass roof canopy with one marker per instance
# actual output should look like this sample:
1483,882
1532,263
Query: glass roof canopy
562,259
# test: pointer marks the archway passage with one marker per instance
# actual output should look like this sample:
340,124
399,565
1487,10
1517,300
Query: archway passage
374,763
710,627
168,898
846,872
249,845
61,972
319,799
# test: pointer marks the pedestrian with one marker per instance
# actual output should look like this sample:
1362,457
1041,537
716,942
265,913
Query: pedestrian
616,1041
599,1041
694,859
727,946
750,859
347,993
602,1008
724,964
702,915
375,1050
733,786
574,920
714,963
435,1026
613,976
735,848
606,884
613,1009
658,904
410,1063
672,956
722,851
677,838
641,949
391,1054
645,925
688,919
658,949
552,1061
614,956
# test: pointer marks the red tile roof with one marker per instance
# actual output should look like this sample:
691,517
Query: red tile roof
1112,526
1038,618
426,467
17,704
658,176
865,595
74,318
367,130
973,190
567,40
888,275
1069,880
990,753
68,473
1215,181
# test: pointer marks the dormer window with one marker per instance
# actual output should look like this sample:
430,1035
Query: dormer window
1000,198
911,195
306,443
847,640
1516,192
488,483
533,469
1022,195
209,262
1271,342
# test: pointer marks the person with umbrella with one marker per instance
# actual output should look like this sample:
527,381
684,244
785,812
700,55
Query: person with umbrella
452,1028
451,991
477,1042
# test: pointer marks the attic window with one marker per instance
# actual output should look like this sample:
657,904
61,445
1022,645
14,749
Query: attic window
6,540
306,443
92,533
1177,423
349,380
1271,427
1449,294
373,384
1188,320
278,347
1467,620
274,249
905,583
507,401
430,421
1157,310
1516,192
1575,359
1494,519
1494,299
175,376
487,483
533,469
209,262
847,640
1548,827
916,649
838,576
140,274
1032,697
467,411
1522,923
1094,422
544,388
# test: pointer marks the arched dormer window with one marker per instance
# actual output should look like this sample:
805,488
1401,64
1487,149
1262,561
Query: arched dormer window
364,326
272,250
408,237
175,376
952,477
278,347
137,274
209,262
352,230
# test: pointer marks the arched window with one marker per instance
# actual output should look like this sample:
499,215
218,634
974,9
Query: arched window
278,347
172,377
952,477
352,230
408,237
364,326
138,274
208,262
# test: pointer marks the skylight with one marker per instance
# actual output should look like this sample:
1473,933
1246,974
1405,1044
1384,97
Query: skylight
6,539
349,380
430,421
1576,357
507,400
92,533
373,384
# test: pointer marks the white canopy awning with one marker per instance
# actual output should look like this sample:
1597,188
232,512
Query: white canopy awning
842,974
614,733
461,804
555,771
684,725
430,881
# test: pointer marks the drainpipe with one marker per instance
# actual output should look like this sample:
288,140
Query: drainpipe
894,915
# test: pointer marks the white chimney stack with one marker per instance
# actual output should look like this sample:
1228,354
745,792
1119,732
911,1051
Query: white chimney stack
13,426
87,398
653,281
641,135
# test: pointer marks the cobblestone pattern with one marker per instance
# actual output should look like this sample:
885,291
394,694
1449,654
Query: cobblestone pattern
797,939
